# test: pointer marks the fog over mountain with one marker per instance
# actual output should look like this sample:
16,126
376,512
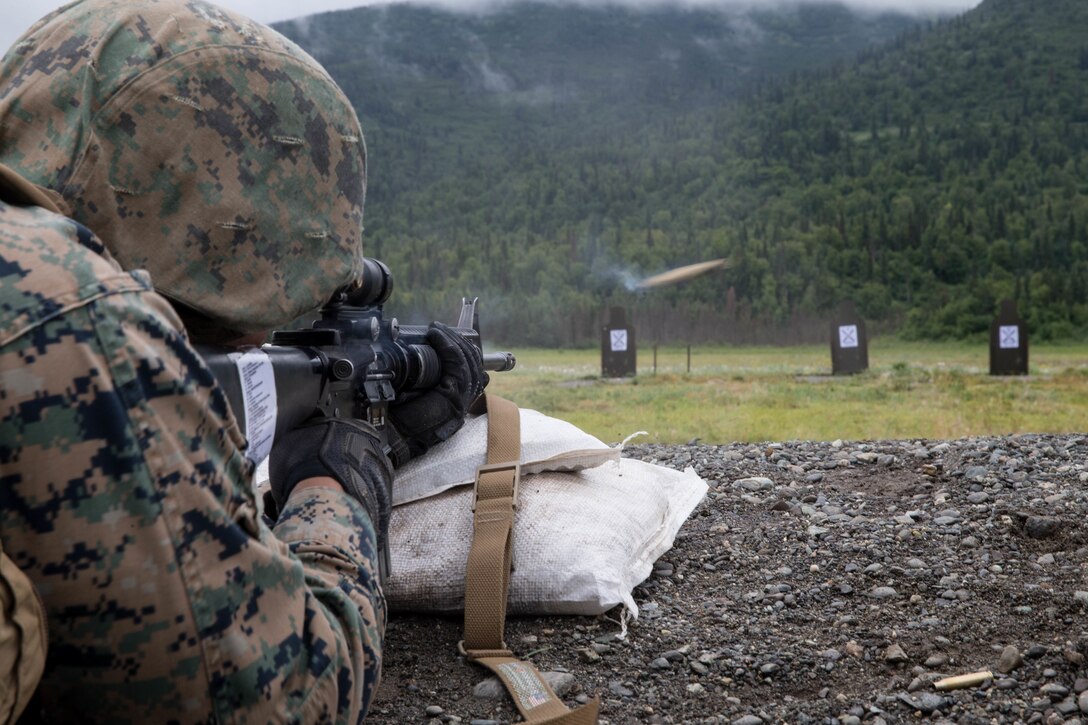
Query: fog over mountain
16,17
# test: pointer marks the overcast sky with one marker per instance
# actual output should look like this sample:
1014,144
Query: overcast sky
17,15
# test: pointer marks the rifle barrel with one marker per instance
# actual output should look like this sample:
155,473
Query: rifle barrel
499,362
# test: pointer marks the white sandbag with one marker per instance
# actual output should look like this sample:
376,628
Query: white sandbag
582,541
547,444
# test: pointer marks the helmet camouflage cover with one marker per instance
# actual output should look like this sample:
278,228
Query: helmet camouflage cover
199,145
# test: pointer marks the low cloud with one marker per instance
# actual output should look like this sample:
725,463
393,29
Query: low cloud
921,7
20,15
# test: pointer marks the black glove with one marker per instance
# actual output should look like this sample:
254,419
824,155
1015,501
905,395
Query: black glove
348,450
421,420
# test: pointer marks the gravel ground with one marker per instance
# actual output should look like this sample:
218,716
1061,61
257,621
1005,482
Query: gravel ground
819,582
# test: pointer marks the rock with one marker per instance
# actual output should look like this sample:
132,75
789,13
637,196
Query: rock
589,656
1081,597
748,720
883,593
926,703
853,649
754,484
434,711
1035,651
1009,660
618,688
1082,701
1054,691
660,664
938,659
895,655
974,473
1041,527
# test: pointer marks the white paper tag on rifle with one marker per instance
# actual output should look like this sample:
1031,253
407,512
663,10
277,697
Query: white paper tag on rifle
258,382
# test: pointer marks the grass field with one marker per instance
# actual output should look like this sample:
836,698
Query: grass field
912,390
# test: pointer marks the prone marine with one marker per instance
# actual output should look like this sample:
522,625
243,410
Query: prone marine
174,173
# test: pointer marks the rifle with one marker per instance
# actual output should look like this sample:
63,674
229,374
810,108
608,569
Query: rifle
352,362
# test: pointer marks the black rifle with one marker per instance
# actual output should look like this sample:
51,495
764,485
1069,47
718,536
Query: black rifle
352,363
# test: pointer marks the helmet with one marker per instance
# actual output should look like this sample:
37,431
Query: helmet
198,145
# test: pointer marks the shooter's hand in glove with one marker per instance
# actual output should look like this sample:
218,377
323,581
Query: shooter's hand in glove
425,419
347,450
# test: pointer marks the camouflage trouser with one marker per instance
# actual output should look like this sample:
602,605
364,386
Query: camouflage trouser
124,495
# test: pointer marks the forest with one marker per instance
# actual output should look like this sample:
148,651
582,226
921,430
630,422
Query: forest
546,157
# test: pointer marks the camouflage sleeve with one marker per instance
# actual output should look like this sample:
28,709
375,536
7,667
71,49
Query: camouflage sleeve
125,496
333,537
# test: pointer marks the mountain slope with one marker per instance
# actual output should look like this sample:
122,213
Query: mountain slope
936,175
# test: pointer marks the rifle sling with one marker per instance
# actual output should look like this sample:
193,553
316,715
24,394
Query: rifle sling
487,579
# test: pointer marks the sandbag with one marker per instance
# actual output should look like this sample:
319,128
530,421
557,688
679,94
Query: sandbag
547,444
582,540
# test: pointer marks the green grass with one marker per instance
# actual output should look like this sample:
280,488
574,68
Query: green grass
911,390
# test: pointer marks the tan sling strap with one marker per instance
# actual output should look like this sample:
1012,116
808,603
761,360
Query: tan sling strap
23,640
17,190
487,579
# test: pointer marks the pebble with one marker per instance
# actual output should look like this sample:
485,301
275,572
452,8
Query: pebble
1041,527
927,702
1082,702
618,688
1010,659
434,711
938,659
589,656
1054,691
748,720
754,484
894,655
883,593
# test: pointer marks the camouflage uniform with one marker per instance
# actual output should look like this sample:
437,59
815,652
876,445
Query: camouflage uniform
124,491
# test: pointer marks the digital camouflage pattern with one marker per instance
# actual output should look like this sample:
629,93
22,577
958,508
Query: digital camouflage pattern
199,145
126,498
